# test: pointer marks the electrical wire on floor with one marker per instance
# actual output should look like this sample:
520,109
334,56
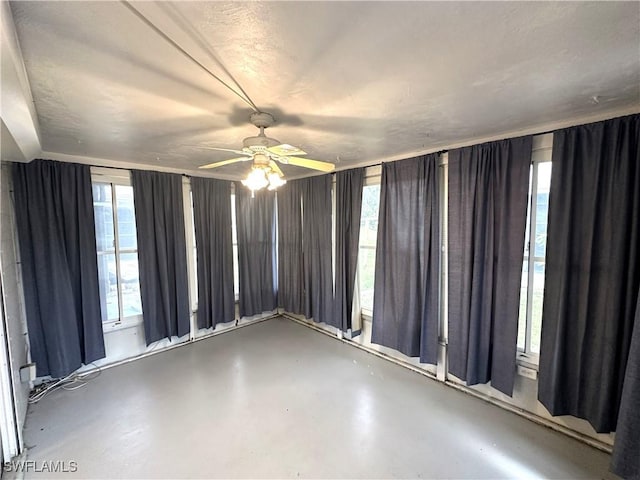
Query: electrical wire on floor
73,381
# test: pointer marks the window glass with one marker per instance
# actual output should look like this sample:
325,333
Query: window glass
522,314
118,277
542,208
234,240
103,214
533,270
126,218
130,282
108,283
367,246
195,254
105,246
536,306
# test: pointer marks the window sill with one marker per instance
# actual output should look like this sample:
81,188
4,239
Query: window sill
366,314
129,322
528,360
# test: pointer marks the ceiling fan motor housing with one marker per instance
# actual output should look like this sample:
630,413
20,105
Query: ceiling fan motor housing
262,119
259,143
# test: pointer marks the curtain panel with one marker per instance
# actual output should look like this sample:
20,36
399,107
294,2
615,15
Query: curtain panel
488,194
625,460
255,220
592,269
214,247
162,254
406,290
56,231
349,185
290,283
317,249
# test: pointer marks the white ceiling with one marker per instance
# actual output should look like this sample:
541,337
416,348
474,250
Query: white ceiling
349,82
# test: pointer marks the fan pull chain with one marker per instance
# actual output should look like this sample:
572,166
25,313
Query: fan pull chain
186,54
197,37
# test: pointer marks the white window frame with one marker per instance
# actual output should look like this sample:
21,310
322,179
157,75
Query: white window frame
190,237
541,154
234,244
373,176
116,177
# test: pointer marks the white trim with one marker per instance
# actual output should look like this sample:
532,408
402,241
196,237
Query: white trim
122,324
373,175
541,155
128,165
17,107
237,325
119,176
542,142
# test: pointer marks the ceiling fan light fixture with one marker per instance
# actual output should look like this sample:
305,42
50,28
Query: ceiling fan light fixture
262,176
275,180
256,180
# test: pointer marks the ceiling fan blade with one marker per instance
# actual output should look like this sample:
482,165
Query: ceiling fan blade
239,152
274,166
308,163
285,149
226,162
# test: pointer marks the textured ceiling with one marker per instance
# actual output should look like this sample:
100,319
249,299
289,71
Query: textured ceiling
349,82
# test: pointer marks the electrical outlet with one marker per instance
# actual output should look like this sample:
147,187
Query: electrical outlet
527,372
28,373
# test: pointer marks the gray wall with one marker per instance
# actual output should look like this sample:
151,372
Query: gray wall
13,297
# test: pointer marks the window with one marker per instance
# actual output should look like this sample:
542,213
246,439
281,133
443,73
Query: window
234,241
117,249
532,284
367,245
194,257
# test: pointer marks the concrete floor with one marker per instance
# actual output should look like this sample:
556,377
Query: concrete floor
277,399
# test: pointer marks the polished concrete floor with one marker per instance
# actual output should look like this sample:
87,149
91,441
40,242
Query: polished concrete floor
279,400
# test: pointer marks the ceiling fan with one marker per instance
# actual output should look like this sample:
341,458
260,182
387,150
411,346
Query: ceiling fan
266,152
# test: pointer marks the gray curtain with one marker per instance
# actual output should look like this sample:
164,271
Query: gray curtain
592,270
626,458
255,221
162,254
405,300
625,461
54,215
212,222
349,184
317,249
488,193
290,288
